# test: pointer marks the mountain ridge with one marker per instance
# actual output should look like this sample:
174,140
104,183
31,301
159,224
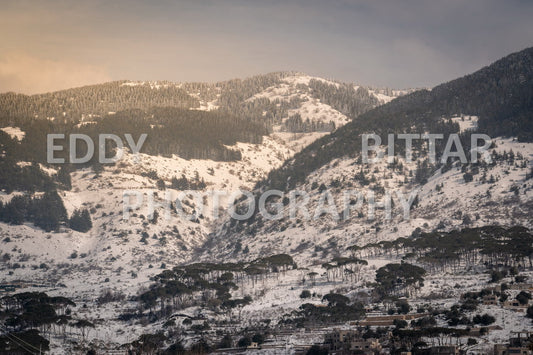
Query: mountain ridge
334,162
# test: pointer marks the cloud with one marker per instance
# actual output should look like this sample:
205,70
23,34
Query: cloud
27,74
398,44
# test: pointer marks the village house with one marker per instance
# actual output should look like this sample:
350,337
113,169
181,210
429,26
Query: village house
490,300
351,342
521,343
514,305
521,287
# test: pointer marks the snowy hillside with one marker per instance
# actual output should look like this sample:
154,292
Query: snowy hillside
115,244
450,194
147,273
499,193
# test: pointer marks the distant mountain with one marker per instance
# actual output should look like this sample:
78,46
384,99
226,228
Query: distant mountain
202,136
233,95
192,120
496,100
501,95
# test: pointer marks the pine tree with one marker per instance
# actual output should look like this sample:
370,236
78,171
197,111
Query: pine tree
80,221
63,177
16,210
48,211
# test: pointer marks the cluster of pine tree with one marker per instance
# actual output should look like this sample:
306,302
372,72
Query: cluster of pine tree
191,134
80,221
75,104
14,177
46,211
296,124
183,183
31,317
343,97
492,246
235,92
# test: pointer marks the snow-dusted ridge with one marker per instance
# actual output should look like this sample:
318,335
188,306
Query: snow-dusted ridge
500,194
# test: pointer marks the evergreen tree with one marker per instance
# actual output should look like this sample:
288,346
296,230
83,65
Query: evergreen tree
16,210
80,221
48,212
63,177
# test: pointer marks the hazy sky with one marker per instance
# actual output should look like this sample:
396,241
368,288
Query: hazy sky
50,45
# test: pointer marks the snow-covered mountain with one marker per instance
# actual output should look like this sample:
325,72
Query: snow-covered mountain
136,274
450,195
114,247
498,194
